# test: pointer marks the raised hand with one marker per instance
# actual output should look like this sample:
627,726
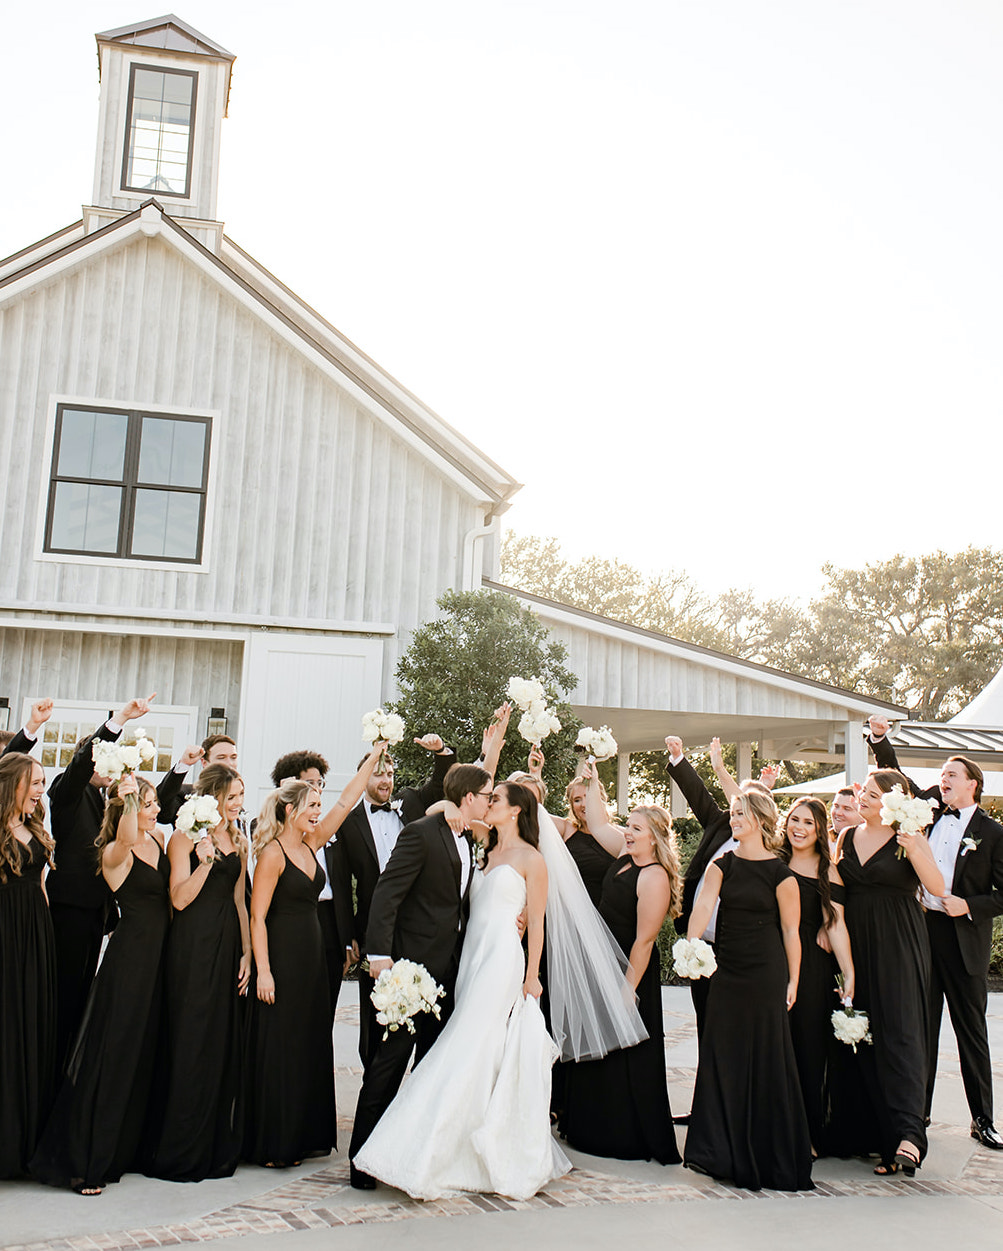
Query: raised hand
41,711
535,762
430,742
191,755
128,785
136,708
499,724
878,725
716,755
768,775
674,745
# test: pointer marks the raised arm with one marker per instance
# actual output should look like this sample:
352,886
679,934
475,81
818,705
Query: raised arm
728,783
695,792
185,884
331,823
24,740
169,791
117,854
493,739
425,796
601,828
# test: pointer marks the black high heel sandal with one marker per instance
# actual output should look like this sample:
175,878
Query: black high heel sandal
907,1162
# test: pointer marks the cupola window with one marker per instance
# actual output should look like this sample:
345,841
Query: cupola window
160,131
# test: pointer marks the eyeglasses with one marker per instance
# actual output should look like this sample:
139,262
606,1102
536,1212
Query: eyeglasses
486,794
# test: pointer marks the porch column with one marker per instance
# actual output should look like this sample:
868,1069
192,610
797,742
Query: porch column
855,753
623,783
743,764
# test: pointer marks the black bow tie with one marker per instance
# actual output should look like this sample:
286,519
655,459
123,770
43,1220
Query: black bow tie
468,835
380,808
951,812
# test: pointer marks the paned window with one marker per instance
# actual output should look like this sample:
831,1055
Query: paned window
160,131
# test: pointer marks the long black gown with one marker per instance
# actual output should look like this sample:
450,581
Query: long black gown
811,1017
292,1112
97,1123
27,1011
201,1070
592,861
891,962
748,1121
619,1106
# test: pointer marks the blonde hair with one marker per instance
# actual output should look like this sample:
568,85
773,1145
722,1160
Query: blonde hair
530,780
286,801
757,806
582,781
663,845
216,780
16,769
113,810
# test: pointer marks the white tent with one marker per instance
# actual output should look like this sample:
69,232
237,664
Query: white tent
924,778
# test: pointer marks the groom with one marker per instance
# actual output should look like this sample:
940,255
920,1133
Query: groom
418,912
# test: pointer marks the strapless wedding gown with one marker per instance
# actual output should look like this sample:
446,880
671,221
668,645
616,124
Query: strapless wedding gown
475,1113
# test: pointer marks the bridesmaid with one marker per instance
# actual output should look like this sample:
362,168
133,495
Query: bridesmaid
619,1106
27,965
891,956
94,1132
292,1109
748,1121
207,968
805,848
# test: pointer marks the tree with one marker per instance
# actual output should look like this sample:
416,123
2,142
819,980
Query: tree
454,674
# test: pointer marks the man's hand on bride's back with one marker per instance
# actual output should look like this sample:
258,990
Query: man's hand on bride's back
520,924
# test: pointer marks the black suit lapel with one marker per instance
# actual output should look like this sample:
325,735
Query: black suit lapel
452,851
361,814
961,864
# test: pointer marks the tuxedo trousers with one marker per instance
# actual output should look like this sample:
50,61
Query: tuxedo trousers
967,1000
78,934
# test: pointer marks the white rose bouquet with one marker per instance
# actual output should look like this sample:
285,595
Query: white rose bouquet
378,725
693,958
850,1025
905,814
198,817
597,744
525,691
401,992
114,760
537,722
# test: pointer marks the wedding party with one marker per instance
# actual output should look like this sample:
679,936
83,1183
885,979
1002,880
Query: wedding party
171,965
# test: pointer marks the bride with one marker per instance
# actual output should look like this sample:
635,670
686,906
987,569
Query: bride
474,1115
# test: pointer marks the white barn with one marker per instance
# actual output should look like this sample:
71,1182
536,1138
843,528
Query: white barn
214,494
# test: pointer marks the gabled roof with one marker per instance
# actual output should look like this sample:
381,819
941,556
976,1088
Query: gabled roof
169,33
372,387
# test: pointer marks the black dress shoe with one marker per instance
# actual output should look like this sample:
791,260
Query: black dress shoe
360,1180
984,1131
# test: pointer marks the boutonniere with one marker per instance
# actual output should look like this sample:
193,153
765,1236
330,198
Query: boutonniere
969,844
480,854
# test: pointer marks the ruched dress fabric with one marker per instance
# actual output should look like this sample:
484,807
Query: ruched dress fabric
27,1011
815,1044
200,1079
748,1121
101,1112
891,962
474,1114
619,1106
291,1111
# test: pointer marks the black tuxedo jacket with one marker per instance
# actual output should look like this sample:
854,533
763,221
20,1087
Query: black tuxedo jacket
978,873
20,742
417,910
354,853
76,812
716,824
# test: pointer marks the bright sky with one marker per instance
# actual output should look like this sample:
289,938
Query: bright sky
718,280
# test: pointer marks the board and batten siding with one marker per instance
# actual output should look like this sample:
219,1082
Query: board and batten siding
615,673
317,510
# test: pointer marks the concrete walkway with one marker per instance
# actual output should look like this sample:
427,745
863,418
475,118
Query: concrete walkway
956,1199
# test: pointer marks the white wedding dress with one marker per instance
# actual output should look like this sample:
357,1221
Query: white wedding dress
475,1113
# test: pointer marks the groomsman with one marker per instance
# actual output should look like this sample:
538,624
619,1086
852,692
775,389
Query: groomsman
968,847
844,811
367,837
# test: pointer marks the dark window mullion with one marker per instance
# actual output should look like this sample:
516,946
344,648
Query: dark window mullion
130,474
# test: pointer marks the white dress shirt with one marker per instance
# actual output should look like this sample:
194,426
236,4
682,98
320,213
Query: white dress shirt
945,843
385,827
710,933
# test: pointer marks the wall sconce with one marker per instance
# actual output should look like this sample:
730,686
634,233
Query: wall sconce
216,723
4,713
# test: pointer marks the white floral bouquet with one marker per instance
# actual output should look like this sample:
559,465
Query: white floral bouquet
114,760
537,722
597,744
851,1026
523,692
905,814
198,817
378,725
401,992
693,958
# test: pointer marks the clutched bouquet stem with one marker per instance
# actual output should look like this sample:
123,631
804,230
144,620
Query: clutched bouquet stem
904,814
850,1025
388,726
114,760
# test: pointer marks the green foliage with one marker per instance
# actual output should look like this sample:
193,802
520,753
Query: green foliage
454,675
996,952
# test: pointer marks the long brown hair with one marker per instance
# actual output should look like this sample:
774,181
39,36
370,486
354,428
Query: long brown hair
216,780
113,809
663,846
785,851
521,797
15,771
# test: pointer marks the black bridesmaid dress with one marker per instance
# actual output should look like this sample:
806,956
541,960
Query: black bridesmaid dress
810,1019
291,1098
748,1120
200,1076
27,1011
891,962
100,1114
618,1106
592,860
